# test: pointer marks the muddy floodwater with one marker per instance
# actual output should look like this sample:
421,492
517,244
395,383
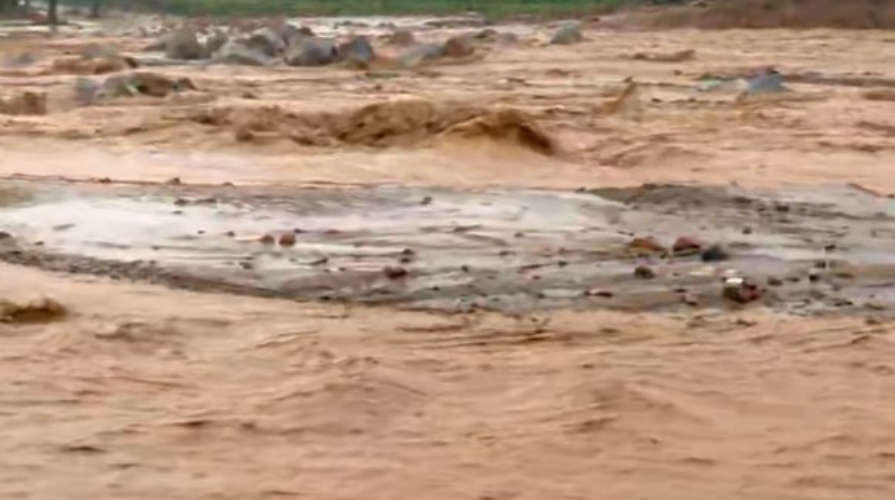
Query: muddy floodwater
517,270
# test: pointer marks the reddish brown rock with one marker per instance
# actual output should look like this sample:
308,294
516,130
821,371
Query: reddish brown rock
647,245
394,272
686,244
287,239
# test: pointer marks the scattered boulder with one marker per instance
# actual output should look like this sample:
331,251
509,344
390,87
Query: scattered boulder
357,50
567,34
267,41
215,42
25,103
309,51
401,38
40,310
765,81
143,83
183,45
419,54
97,50
507,38
290,33
86,90
485,34
234,52
158,45
458,46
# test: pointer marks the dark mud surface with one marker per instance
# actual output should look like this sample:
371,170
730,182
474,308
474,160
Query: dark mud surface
806,250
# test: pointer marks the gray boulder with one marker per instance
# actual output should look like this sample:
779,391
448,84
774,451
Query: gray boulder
567,34
311,51
215,41
183,44
267,41
234,52
765,82
291,34
401,37
458,46
357,50
422,53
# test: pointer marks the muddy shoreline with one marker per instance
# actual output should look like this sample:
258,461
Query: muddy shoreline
452,250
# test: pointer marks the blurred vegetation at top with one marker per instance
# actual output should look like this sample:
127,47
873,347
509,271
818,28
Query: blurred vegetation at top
489,8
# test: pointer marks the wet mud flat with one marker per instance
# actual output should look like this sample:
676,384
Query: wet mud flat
810,250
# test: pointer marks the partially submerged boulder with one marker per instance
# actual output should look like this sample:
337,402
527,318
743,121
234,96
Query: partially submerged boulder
357,50
401,37
567,34
290,33
234,52
267,41
183,45
215,41
311,51
419,54
458,46
144,83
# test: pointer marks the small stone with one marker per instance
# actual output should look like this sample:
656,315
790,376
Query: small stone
180,202
287,239
774,281
246,265
464,268
644,272
741,291
230,234
104,180
714,253
173,181
686,245
427,200
813,276
394,272
606,294
747,230
267,239
781,207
